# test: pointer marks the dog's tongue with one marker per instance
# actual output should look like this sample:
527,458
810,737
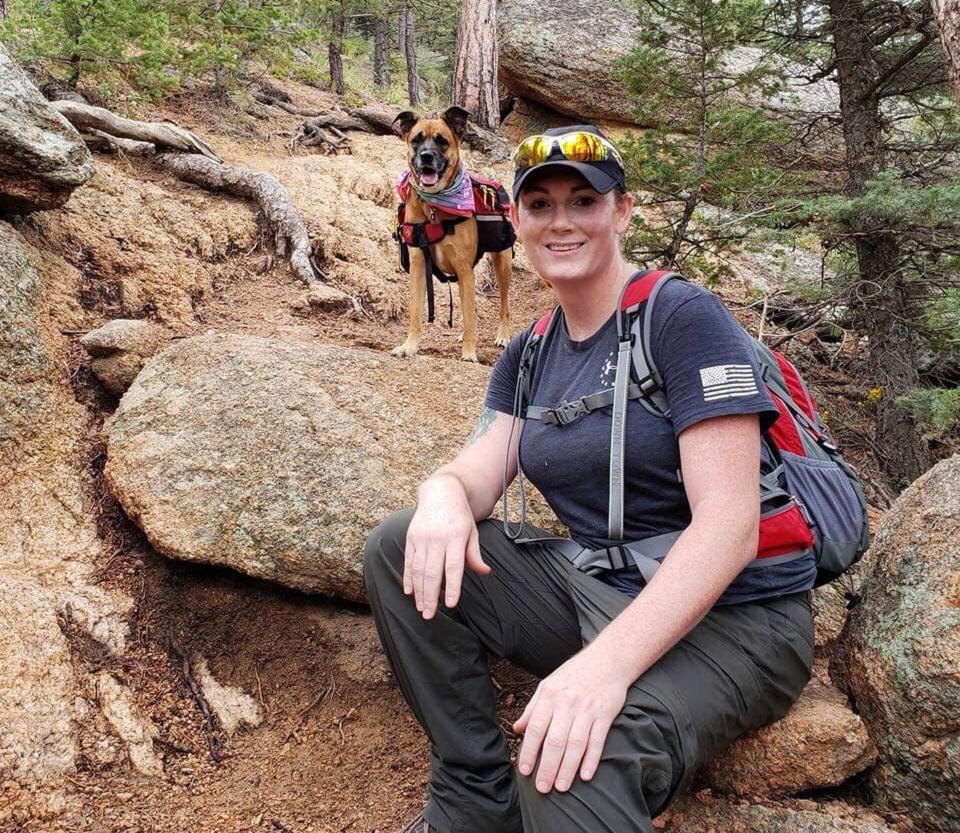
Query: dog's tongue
429,178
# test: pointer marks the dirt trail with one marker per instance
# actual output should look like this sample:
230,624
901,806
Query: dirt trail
337,750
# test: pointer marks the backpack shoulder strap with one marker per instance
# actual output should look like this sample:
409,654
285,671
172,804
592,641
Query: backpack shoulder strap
521,399
641,328
529,355
633,348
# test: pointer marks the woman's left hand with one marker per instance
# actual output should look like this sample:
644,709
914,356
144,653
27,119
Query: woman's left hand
569,717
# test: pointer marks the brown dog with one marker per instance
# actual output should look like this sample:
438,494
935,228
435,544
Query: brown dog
434,160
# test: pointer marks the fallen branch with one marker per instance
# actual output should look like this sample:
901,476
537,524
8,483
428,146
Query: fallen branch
214,742
311,134
87,119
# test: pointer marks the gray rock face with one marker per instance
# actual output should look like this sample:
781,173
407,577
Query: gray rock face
899,654
819,743
119,350
563,55
42,157
277,459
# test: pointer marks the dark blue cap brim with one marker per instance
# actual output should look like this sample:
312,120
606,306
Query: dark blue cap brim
600,180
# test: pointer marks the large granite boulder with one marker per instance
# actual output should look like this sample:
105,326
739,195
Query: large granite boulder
819,743
277,459
42,157
564,56
899,654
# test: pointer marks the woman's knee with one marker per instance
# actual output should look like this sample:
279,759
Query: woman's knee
383,553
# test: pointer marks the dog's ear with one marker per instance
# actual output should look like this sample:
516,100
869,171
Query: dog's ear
405,121
456,119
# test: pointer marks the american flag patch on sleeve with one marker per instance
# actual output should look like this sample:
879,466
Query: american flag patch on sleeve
726,381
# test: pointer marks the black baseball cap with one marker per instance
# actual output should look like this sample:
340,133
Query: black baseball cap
603,176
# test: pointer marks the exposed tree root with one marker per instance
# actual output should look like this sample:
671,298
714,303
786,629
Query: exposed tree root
104,131
289,231
311,134
286,106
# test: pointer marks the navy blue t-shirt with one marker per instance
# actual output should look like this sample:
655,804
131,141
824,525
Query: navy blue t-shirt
709,369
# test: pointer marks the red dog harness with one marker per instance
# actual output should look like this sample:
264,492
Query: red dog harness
494,232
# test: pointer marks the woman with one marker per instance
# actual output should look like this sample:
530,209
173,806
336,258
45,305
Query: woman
641,682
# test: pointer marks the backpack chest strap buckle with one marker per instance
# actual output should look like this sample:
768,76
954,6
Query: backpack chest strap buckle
565,413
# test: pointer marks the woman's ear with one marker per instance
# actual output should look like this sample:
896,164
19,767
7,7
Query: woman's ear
624,206
515,216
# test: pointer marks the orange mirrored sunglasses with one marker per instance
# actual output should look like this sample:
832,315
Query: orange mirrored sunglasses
578,146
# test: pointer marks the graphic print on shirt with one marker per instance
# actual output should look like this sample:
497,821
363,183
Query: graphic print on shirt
726,381
608,373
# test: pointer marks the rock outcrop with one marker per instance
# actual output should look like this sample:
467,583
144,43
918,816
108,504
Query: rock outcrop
276,458
703,812
42,157
119,350
48,534
37,743
899,654
820,743
564,56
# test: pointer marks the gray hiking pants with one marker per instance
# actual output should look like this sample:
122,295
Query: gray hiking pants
740,668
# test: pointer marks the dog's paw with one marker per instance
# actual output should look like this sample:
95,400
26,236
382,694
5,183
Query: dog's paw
470,356
501,341
405,349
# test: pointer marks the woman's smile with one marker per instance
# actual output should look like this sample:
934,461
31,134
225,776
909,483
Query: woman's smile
564,247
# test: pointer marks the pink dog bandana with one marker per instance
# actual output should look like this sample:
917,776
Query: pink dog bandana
457,199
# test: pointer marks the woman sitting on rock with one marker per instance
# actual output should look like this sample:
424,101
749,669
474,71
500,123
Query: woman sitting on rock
642,681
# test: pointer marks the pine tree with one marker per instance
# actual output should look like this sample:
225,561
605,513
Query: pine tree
702,163
892,221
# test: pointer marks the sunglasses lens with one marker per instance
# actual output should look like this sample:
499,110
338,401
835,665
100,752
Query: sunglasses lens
583,147
532,151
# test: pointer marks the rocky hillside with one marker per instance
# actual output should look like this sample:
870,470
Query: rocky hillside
185,637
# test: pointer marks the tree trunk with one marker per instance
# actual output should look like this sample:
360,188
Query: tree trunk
402,32
947,13
335,52
410,50
475,74
4,14
381,54
219,72
886,304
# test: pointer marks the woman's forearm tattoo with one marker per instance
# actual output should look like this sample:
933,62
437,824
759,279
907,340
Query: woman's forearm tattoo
483,425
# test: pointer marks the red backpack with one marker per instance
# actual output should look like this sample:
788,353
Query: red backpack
810,497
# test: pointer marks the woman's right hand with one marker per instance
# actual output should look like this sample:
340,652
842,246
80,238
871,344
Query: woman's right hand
441,539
